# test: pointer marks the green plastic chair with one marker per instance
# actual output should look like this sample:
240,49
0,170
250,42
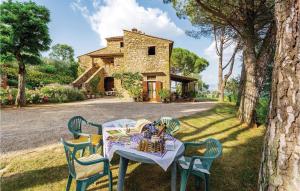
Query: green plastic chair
199,165
172,124
85,170
75,125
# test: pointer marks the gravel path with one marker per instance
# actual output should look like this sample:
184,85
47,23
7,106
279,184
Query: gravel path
37,126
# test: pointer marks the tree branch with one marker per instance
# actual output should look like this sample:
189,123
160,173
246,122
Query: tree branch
230,21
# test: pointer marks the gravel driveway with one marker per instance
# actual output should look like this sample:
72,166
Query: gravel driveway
37,126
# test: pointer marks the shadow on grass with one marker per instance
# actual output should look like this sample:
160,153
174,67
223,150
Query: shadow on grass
33,178
236,169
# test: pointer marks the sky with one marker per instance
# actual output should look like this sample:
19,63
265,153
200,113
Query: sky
84,25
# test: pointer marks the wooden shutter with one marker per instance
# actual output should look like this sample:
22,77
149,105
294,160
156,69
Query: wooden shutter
158,88
145,91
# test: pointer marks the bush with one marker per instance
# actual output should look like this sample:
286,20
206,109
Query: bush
164,95
8,96
47,68
34,96
262,109
59,93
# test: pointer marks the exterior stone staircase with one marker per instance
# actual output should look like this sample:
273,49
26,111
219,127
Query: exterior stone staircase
78,83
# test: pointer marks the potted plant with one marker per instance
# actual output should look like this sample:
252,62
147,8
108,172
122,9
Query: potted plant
164,95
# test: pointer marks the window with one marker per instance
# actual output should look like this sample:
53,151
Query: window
121,44
151,50
151,78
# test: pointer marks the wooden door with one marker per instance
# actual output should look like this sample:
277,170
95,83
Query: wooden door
145,91
158,88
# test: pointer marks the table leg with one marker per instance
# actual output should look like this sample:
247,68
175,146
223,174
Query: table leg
122,173
173,176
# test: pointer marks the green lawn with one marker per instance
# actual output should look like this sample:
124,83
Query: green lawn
237,169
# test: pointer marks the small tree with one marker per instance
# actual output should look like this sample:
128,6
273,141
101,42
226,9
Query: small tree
187,62
23,34
62,52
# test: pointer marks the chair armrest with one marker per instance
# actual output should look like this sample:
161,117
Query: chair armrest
99,126
105,160
193,144
201,158
82,134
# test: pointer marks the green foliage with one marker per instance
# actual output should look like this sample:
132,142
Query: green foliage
132,82
48,68
34,96
187,62
24,31
262,109
94,84
51,71
232,89
59,93
164,95
51,93
8,96
62,52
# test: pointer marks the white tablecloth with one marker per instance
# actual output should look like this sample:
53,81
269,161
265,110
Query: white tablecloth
163,161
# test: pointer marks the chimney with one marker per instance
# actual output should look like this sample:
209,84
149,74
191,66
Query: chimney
134,30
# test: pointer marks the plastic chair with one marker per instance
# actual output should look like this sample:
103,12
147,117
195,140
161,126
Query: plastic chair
172,124
75,125
199,165
85,170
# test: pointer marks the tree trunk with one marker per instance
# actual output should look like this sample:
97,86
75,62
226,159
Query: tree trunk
21,98
220,68
249,98
280,165
222,92
241,85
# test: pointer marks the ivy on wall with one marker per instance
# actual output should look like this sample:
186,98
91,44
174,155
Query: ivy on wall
132,82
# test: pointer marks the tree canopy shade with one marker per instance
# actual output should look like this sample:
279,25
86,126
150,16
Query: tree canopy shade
187,62
253,23
62,52
23,34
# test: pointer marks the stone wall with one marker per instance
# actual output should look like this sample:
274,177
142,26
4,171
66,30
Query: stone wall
135,58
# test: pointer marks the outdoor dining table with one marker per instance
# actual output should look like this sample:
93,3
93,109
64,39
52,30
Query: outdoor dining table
126,154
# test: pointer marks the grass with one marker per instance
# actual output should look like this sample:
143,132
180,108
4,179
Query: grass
237,169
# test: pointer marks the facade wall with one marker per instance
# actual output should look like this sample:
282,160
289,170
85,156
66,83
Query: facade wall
135,59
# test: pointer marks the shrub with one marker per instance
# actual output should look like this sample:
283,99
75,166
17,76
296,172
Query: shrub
262,109
132,82
48,68
59,93
34,96
164,95
94,84
8,96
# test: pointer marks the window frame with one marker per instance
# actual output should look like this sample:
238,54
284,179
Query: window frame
151,50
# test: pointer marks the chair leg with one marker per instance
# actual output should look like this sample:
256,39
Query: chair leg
110,181
197,182
78,185
82,152
184,178
69,182
81,186
206,182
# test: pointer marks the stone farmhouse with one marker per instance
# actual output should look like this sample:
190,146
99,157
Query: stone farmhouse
132,52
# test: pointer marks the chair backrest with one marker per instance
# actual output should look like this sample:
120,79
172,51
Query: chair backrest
213,149
71,150
172,124
75,124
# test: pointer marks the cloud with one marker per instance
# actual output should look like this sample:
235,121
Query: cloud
108,18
